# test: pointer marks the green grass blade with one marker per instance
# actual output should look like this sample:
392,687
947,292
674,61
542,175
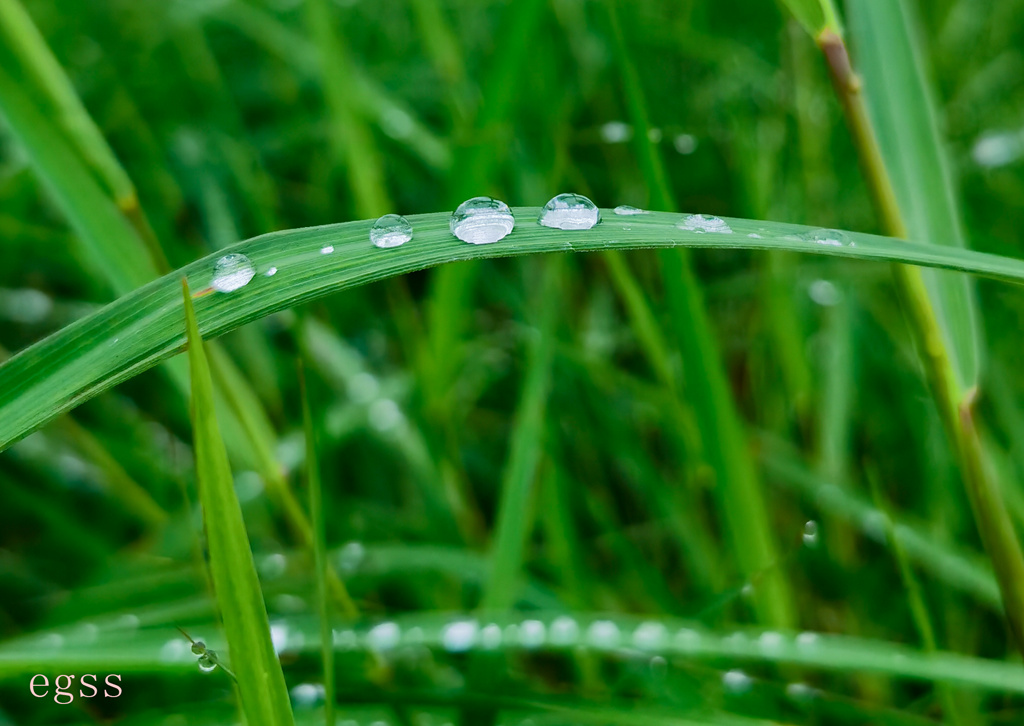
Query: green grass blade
352,139
723,440
139,651
317,513
903,113
110,242
141,329
261,686
515,512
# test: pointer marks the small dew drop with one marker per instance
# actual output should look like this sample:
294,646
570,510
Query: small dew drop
232,272
490,636
481,221
173,651
563,631
616,132
800,692
532,634
307,695
603,634
736,681
351,556
207,664
770,641
827,237
391,230
825,293
807,639
705,223
327,249
627,211
687,639
569,212
811,533
649,636
273,566
754,235
685,143
271,271
384,636
460,636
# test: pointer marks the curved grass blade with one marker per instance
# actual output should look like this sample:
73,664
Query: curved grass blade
261,686
622,637
143,328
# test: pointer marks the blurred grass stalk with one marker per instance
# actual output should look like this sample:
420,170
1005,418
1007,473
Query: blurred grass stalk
724,446
939,314
261,686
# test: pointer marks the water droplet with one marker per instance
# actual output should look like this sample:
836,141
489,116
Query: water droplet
384,414
563,631
811,533
173,651
603,634
279,636
273,566
800,692
736,681
659,666
532,634
384,636
807,639
770,641
747,590
998,148
344,639
685,143
490,636
628,211
206,664
649,635
128,621
306,695
350,557
51,640
687,639
481,220
460,636
736,641
616,132
754,235
828,237
271,271
327,249
391,230
569,212
198,648
232,272
702,223
824,293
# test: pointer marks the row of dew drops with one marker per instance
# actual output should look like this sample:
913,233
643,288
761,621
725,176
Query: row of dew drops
483,220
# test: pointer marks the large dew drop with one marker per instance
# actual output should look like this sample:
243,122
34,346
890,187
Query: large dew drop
828,237
702,223
232,272
481,220
571,212
391,230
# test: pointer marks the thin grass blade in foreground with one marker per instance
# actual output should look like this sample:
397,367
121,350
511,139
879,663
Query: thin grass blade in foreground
143,328
316,512
261,685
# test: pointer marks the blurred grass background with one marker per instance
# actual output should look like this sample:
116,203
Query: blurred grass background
543,412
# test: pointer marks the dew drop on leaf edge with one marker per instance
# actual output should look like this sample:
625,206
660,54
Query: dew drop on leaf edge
391,230
481,220
232,272
571,212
